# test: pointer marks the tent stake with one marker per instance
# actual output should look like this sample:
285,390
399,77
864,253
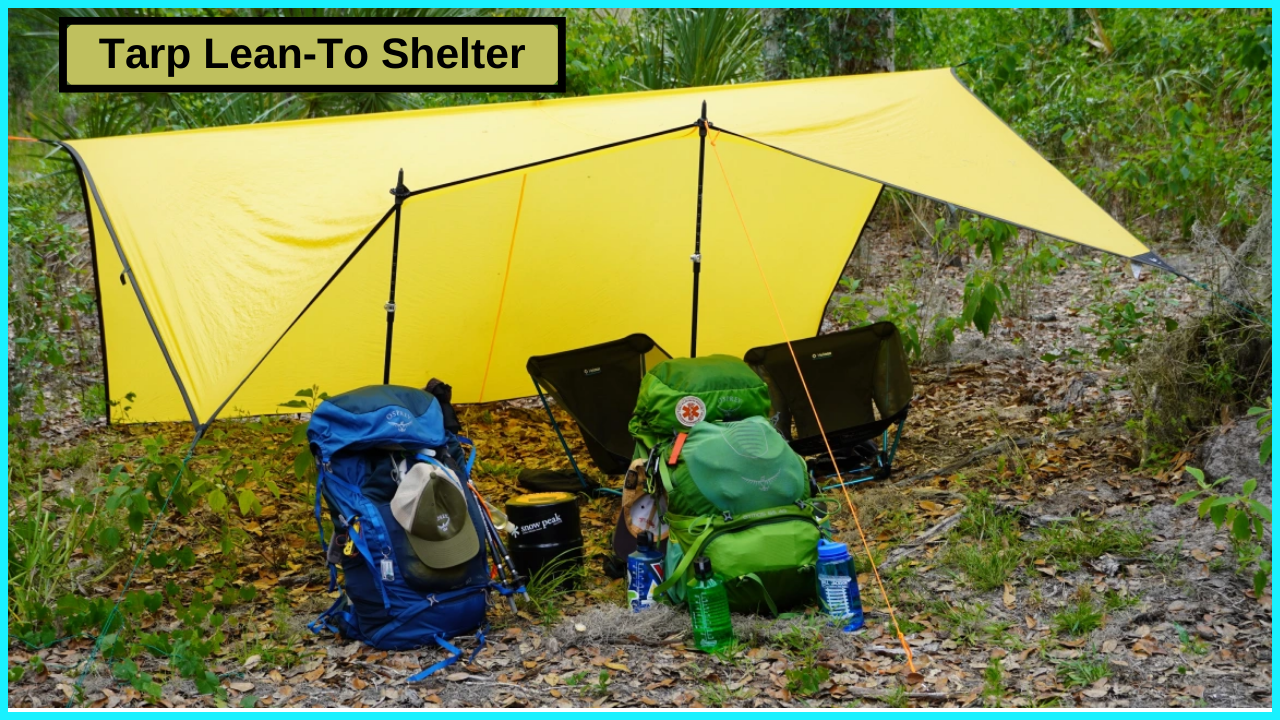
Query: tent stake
400,192
697,230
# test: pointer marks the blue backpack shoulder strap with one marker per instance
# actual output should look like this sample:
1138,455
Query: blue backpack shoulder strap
324,547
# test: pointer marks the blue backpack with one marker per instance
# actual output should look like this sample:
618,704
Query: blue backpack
362,441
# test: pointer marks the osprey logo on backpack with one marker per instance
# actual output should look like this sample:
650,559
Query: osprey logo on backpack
762,484
690,410
400,419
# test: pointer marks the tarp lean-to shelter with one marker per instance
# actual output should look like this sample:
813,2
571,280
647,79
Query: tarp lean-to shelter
230,234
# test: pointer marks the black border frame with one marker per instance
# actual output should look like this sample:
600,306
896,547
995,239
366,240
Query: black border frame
560,23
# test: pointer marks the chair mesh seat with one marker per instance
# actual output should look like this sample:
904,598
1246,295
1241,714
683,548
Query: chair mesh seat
859,381
598,386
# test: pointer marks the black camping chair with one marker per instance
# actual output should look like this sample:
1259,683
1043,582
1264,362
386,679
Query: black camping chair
598,386
860,386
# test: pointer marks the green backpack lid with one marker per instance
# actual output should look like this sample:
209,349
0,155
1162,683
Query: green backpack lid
744,466
682,392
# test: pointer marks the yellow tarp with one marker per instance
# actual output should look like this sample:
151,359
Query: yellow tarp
230,233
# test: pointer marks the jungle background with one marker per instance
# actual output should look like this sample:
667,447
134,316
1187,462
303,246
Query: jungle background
1040,539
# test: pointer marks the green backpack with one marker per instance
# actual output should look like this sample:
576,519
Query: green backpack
737,493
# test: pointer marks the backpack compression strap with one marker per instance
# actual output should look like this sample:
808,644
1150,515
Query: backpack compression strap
707,526
457,655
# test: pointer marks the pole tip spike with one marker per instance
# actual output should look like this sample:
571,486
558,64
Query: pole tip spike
704,109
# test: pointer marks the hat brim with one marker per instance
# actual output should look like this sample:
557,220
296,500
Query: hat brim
441,554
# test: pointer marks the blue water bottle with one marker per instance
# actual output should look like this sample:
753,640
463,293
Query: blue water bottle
838,585
643,572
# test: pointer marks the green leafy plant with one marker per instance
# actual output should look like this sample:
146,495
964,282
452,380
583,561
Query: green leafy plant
807,681
1124,325
1264,426
804,640
601,686
1190,643
304,465
306,399
1245,519
895,304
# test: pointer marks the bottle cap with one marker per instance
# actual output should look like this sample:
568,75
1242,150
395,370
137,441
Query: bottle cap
702,568
644,540
832,551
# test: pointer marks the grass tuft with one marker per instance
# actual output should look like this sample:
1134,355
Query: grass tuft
1083,671
1078,619
550,584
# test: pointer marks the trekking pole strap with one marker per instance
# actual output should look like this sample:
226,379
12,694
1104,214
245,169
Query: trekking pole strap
471,459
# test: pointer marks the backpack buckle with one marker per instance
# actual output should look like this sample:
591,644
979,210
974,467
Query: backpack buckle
728,516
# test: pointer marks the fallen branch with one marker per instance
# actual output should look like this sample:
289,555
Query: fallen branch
995,448
906,551
871,694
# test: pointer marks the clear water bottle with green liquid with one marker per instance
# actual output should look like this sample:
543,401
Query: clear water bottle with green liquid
709,609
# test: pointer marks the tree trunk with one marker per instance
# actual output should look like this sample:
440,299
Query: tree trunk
842,60
773,21
860,40
889,22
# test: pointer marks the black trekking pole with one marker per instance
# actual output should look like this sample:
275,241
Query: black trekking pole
497,538
510,580
502,573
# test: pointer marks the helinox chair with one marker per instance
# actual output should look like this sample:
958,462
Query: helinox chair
598,386
860,386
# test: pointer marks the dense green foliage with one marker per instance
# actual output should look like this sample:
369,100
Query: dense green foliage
1162,116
